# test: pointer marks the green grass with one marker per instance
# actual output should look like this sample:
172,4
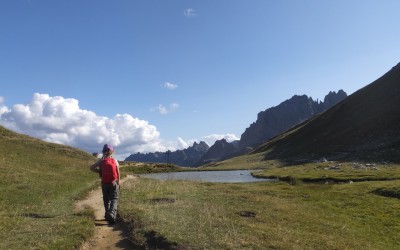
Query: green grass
252,161
335,171
313,216
180,214
40,183
147,168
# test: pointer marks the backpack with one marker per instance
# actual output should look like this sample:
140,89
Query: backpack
108,170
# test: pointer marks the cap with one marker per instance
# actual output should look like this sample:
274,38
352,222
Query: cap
107,147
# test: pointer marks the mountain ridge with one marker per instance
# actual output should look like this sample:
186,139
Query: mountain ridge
183,157
274,121
287,114
269,123
366,125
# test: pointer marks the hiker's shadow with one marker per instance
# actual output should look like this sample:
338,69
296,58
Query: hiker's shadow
101,223
155,241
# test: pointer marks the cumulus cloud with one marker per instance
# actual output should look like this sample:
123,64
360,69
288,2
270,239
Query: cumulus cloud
163,110
182,144
189,12
3,108
209,139
170,86
61,120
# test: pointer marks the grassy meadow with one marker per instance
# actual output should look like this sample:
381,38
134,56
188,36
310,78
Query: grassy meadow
147,168
40,183
350,213
325,205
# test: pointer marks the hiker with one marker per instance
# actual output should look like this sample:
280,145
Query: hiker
108,168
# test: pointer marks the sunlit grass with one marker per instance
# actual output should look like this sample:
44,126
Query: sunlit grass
146,168
304,216
40,183
334,171
252,161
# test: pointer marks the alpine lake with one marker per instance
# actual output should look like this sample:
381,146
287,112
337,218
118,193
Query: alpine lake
228,176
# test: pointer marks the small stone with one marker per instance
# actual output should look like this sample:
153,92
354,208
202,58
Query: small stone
247,214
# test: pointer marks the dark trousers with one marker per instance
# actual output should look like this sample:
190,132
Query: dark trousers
110,199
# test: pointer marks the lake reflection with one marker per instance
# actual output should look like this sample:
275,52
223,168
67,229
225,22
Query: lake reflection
208,176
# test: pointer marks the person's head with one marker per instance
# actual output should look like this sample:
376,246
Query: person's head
107,150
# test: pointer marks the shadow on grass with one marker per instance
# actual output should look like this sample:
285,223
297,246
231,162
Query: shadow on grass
152,239
387,193
37,216
156,241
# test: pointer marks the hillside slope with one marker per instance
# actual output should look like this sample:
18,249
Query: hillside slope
40,182
366,126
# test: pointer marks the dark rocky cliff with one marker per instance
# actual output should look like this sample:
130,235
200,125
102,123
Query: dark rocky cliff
363,127
269,123
289,113
218,151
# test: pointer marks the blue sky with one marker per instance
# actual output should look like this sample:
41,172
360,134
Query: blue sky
150,75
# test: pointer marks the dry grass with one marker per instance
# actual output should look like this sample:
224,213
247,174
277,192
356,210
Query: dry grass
333,171
261,215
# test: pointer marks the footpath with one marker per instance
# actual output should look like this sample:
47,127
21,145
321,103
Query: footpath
105,236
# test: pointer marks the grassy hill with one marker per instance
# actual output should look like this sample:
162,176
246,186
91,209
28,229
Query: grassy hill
364,126
39,183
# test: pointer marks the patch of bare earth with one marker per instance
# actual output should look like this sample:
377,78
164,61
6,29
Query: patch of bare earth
105,236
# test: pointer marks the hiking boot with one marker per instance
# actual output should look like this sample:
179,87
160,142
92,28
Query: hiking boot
111,221
108,217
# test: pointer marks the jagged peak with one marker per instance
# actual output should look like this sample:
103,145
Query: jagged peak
203,143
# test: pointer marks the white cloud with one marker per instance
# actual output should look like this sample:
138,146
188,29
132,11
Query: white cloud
61,120
166,110
170,86
162,109
3,108
189,12
181,144
210,139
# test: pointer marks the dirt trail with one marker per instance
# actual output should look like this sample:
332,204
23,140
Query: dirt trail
105,236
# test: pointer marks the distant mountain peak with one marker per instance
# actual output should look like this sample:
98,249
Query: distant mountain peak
184,157
364,126
287,114
218,151
269,123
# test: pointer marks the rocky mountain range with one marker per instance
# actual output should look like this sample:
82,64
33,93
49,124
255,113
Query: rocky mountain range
186,157
364,126
289,113
269,123
218,151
